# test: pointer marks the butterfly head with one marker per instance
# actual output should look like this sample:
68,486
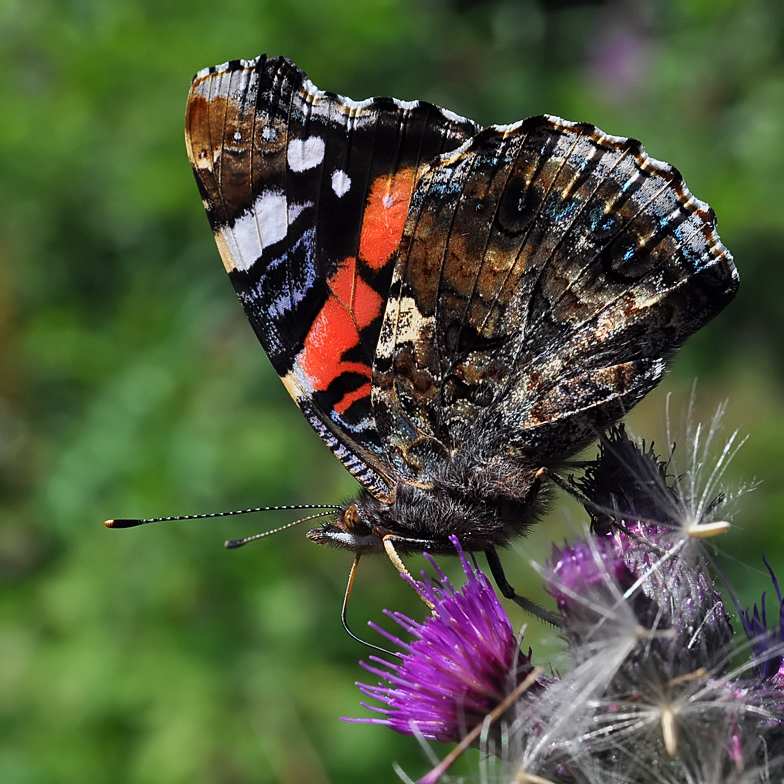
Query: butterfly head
351,531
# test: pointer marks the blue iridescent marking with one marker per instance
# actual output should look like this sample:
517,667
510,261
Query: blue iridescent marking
630,182
563,210
594,216
301,277
629,253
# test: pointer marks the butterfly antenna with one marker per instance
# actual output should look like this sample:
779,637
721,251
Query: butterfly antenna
231,544
351,575
133,522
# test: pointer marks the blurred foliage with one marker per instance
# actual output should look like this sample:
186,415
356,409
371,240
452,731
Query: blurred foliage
130,383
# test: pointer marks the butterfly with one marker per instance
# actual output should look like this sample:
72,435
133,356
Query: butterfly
456,310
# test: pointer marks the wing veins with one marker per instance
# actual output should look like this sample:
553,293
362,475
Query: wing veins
492,305
402,267
511,378
679,284
613,237
528,323
529,229
437,333
414,426
476,276
436,336
219,173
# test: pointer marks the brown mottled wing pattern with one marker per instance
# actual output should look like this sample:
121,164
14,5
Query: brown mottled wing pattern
307,193
546,273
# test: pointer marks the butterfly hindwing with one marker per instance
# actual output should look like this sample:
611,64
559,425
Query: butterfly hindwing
546,273
307,193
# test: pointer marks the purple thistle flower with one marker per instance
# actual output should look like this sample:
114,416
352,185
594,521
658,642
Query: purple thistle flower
581,571
649,691
648,516
464,660
766,643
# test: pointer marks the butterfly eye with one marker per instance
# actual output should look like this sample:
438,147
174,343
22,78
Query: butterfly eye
353,521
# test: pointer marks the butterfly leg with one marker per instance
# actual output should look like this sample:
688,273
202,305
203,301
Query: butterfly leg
494,562
389,546
568,488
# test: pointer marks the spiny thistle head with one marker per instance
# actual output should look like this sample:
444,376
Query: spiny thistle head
650,694
639,508
462,663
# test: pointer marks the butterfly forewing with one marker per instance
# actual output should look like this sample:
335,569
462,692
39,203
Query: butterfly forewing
307,193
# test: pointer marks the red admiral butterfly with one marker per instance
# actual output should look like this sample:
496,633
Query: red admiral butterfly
453,308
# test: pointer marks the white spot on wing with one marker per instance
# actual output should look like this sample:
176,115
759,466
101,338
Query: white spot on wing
408,324
341,182
305,153
272,217
263,225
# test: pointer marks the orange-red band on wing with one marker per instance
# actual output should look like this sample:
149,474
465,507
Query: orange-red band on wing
351,305
385,218
350,397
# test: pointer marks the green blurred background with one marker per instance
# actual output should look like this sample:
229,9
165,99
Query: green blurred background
131,384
